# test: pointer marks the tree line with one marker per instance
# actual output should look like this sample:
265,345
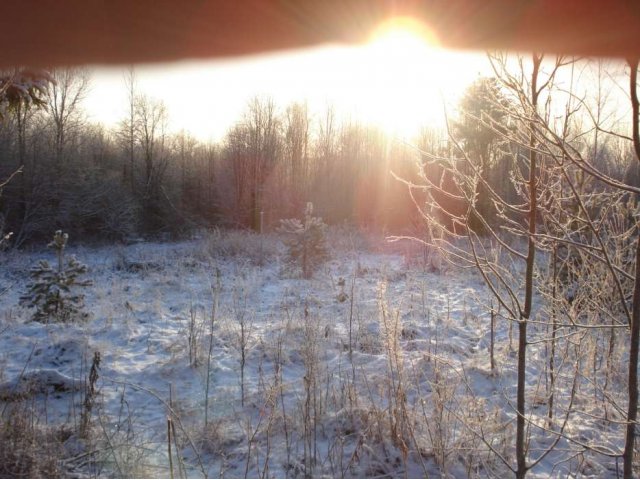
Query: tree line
140,179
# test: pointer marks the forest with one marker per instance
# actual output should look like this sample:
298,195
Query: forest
312,296
141,180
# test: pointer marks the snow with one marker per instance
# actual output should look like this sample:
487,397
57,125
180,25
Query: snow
425,331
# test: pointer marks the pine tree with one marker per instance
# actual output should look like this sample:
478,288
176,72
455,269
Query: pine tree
306,242
24,88
53,291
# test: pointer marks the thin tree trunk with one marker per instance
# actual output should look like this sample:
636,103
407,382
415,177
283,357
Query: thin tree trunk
521,454
632,412
493,339
554,327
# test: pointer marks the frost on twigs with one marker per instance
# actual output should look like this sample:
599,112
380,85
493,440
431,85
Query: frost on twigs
53,291
306,241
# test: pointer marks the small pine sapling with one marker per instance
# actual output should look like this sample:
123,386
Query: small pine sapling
53,291
306,241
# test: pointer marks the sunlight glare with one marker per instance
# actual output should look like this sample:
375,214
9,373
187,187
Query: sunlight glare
403,36
401,56
398,81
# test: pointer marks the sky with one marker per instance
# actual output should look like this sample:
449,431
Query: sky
399,81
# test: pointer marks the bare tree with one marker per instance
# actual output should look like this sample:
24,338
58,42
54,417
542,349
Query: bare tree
64,100
470,236
152,118
296,150
263,128
600,234
186,149
253,148
127,130
23,92
634,345
237,155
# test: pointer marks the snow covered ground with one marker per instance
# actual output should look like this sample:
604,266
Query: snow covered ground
376,367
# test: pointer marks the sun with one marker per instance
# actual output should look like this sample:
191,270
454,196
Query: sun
403,35
404,74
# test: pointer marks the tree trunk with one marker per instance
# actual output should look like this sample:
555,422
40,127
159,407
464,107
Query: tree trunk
554,331
521,452
632,412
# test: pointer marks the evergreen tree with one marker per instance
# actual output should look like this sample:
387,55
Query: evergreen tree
53,290
25,87
307,241
484,117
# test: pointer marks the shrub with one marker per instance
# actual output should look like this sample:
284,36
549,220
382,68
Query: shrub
306,242
237,244
29,449
53,291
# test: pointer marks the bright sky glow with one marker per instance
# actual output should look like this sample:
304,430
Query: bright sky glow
397,81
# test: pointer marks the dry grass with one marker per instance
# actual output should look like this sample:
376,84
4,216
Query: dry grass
244,245
29,449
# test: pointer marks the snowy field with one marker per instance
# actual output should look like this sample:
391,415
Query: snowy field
376,367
